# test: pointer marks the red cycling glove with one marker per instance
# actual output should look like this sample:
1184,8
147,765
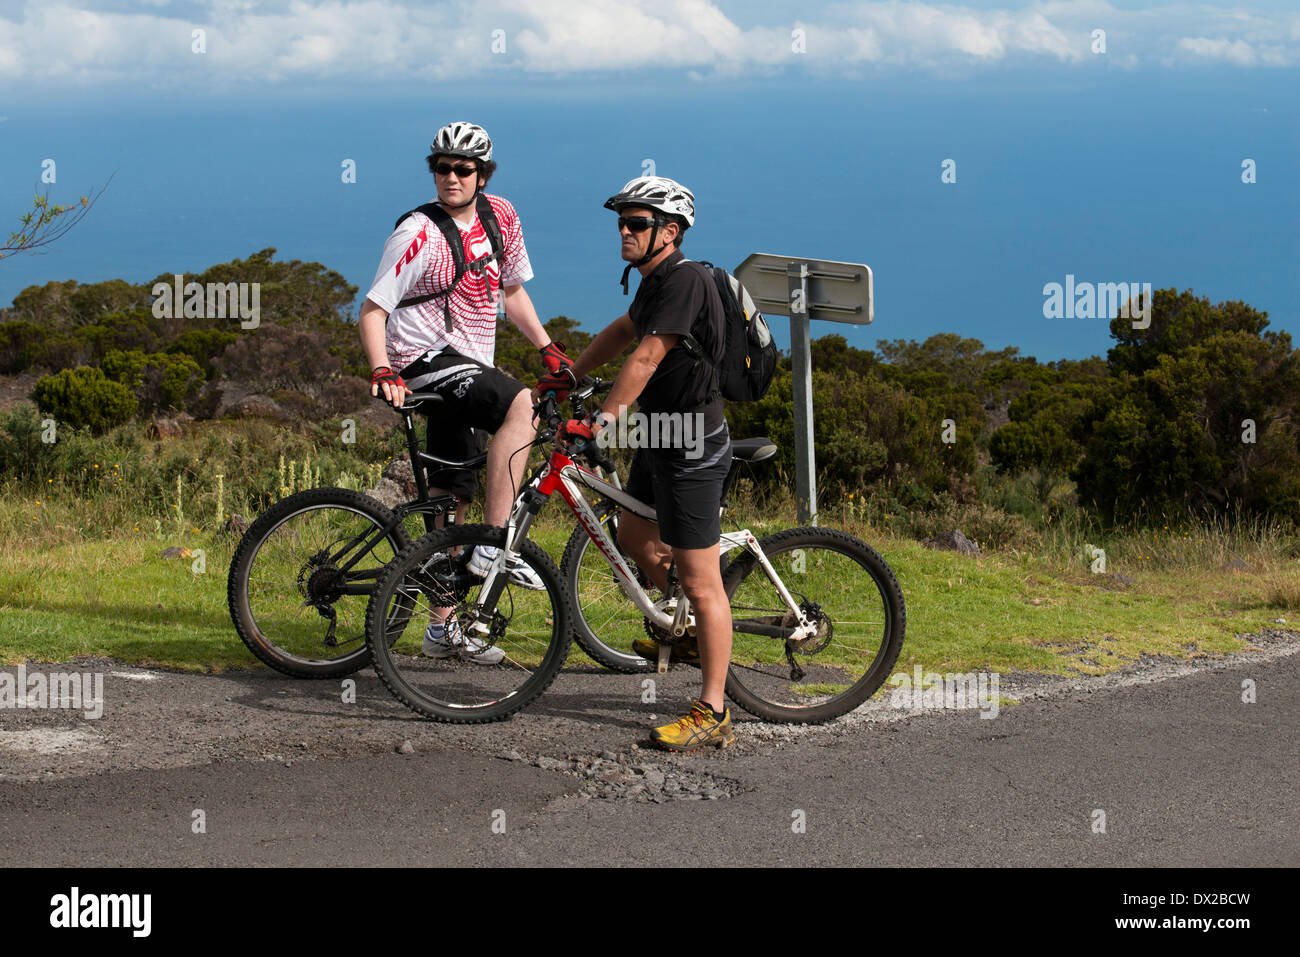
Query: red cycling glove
384,374
559,382
555,358
576,429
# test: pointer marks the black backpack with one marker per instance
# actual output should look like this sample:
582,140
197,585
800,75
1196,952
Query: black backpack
451,232
749,355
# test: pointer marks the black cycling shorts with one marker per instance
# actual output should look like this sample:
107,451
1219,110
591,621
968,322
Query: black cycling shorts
686,492
475,400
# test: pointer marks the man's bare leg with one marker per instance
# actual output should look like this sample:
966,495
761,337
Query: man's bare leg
639,540
505,475
701,580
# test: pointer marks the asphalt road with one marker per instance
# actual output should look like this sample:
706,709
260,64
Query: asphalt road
285,773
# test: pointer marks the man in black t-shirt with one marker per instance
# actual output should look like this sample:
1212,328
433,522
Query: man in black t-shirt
669,374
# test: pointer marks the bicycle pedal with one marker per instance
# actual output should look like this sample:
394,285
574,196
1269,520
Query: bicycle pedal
665,652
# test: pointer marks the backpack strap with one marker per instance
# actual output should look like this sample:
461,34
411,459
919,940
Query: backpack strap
694,348
451,232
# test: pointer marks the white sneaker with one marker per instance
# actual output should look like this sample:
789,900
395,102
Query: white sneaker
480,563
453,641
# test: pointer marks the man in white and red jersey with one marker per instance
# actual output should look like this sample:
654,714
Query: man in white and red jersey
436,324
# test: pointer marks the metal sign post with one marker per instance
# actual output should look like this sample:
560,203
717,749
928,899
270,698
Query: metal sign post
807,289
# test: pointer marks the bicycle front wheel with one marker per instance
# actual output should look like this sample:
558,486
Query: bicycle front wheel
851,595
472,677
301,576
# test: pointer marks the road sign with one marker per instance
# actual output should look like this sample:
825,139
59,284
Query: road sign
806,289
840,292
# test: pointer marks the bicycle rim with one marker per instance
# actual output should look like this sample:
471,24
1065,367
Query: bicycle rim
849,592
302,622
529,628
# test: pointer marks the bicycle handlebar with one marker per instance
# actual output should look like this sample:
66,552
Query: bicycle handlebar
547,410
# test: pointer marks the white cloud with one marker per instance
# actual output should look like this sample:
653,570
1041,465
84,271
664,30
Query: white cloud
294,41
1234,51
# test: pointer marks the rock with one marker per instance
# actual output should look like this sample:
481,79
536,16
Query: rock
176,552
396,485
387,493
655,779
399,470
953,541
259,405
165,429
235,525
406,747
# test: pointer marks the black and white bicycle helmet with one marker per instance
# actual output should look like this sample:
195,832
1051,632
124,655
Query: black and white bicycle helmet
462,139
656,192
661,194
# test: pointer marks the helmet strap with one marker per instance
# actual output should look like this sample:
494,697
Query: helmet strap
651,254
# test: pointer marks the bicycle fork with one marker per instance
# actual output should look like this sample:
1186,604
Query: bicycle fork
521,519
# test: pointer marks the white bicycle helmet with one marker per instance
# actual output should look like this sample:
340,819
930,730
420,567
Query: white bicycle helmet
656,192
661,194
462,139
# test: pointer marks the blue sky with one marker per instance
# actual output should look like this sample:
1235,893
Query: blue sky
1115,166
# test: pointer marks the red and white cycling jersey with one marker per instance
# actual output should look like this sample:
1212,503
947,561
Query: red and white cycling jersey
417,261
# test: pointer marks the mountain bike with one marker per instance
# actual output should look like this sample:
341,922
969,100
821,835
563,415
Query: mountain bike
818,618
301,574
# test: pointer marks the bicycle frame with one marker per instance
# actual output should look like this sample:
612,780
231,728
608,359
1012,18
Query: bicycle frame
561,474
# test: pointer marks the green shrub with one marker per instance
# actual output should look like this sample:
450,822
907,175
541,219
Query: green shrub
22,345
84,397
160,381
203,345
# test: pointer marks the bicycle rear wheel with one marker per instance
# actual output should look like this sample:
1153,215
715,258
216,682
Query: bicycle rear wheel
531,627
301,576
851,594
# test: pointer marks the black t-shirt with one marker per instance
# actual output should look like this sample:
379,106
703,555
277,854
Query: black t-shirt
677,300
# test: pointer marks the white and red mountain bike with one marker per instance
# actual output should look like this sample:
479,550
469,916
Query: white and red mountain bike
818,618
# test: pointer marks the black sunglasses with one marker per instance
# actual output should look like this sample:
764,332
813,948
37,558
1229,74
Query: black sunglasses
444,169
638,224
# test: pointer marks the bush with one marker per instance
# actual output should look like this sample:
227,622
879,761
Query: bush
203,346
69,461
125,331
160,381
84,397
22,345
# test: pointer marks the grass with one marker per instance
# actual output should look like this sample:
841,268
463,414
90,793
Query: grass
67,594
82,574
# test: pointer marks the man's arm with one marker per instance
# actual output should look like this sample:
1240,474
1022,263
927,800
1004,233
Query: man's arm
609,342
636,372
372,322
520,311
